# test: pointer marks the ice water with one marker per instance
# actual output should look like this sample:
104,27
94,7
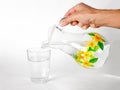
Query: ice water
40,70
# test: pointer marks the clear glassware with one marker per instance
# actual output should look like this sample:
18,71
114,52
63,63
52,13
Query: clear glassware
39,60
89,50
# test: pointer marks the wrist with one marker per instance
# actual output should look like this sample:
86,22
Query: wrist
106,17
100,17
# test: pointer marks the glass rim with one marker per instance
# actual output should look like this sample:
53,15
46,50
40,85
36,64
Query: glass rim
38,49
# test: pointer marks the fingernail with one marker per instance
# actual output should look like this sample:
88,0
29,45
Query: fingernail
62,18
62,23
92,25
84,27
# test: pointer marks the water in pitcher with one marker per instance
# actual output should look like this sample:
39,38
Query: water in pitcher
89,50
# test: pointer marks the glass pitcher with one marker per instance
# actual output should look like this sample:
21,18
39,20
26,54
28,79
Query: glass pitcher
89,50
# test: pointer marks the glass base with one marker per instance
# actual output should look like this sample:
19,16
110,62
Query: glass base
39,80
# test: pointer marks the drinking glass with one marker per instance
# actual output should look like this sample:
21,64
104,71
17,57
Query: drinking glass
39,60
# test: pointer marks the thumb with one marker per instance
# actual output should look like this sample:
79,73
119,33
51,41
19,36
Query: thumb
67,20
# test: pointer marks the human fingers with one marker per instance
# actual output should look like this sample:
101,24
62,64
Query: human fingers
94,26
72,10
74,23
69,12
80,24
85,27
68,20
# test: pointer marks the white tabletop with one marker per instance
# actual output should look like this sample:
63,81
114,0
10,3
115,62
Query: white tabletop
65,74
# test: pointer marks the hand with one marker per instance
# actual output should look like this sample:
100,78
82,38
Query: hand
81,15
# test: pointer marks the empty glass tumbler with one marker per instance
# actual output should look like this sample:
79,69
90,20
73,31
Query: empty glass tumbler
39,59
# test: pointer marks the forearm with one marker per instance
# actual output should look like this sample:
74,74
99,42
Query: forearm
109,18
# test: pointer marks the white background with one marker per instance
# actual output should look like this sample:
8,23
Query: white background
25,23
